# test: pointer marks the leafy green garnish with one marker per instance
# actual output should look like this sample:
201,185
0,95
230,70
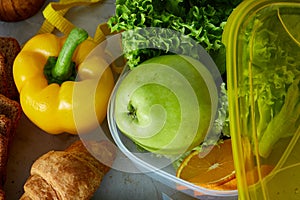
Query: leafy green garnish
221,123
274,82
285,123
201,20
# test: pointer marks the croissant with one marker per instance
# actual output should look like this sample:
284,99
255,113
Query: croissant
75,173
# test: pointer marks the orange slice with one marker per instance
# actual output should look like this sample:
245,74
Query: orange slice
212,166
252,176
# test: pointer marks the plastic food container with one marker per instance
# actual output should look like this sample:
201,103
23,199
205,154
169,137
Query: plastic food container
158,167
262,41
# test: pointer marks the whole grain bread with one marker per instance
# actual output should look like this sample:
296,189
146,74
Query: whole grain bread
2,194
5,131
10,114
5,128
12,110
3,75
9,48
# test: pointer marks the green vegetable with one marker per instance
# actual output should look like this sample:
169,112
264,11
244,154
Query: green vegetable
179,23
221,123
201,20
285,123
275,86
62,68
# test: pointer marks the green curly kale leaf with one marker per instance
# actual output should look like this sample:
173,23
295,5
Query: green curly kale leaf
201,20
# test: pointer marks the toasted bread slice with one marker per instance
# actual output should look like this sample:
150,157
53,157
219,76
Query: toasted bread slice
5,126
5,131
2,194
12,110
3,75
10,114
9,48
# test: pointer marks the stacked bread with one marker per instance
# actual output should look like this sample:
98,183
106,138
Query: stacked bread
10,109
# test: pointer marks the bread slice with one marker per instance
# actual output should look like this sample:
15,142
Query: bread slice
5,126
5,130
9,48
10,114
12,110
3,75
2,194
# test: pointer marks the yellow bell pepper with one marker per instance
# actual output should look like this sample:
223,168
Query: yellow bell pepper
60,90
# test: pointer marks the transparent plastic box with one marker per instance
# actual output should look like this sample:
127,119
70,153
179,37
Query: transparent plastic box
262,40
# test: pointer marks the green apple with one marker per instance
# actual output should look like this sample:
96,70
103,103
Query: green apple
167,104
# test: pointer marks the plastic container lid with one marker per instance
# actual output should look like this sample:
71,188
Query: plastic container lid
262,40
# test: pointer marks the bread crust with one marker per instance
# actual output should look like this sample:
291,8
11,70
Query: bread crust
2,194
9,49
5,127
3,75
10,114
37,189
10,109
17,10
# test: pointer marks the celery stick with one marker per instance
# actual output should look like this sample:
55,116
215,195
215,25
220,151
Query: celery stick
284,123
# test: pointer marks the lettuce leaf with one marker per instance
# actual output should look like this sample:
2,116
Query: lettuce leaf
275,87
201,20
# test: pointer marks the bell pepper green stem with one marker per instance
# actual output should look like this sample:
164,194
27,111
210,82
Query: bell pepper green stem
62,69
58,70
